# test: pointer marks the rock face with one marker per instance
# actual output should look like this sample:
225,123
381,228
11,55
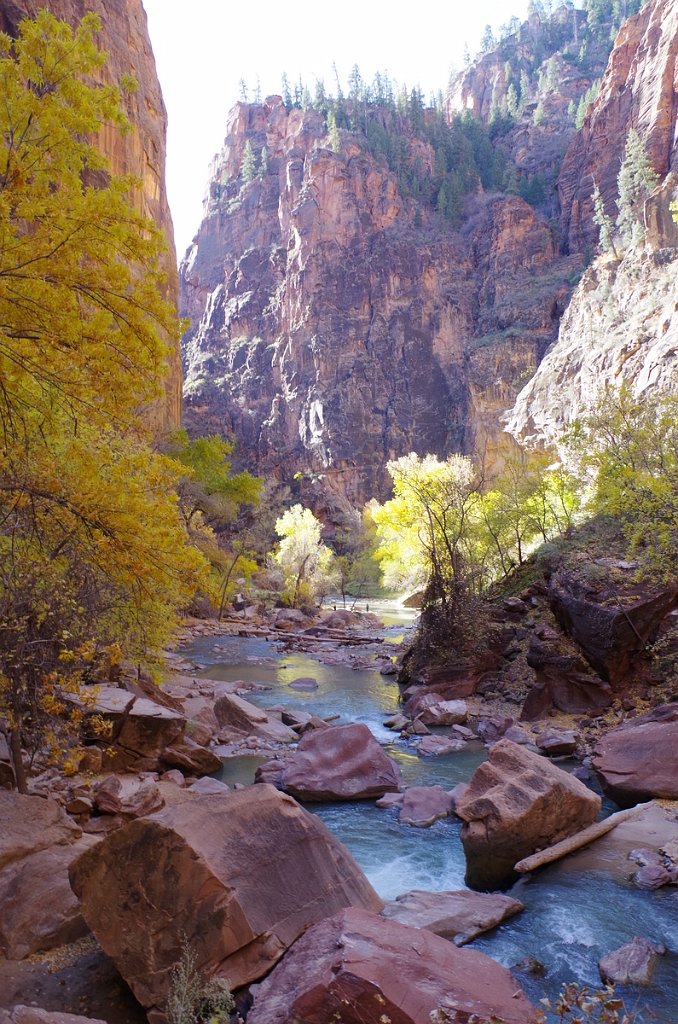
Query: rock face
331,330
611,638
344,762
240,874
639,760
358,967
638,90
621,324
459,915
141,152
517,802
627,307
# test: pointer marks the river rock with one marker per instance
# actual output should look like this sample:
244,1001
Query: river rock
389,800
517,734
639,760
237,716
242,875
39,909
344,762
435,746
651,876
190,757
304,683
557,742
460,915
422,805
517,802
492,729
631,964
445,712
357,966
396,722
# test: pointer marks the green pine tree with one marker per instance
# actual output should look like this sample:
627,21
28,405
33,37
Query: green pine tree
604,222
263,162
637,179
249,164
333,132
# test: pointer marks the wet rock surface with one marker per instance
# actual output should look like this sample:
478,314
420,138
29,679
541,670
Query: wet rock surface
631,964
459,915
357,963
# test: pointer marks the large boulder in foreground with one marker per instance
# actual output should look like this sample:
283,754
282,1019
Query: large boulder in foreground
241,875
358,967
517,802
639,760
344,762
458,914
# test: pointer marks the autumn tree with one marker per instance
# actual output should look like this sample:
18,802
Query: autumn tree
306,562
93,552
432,513
216,505
626,450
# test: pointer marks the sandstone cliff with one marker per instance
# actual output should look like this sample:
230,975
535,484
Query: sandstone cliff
622,323
336,324
142,151
639,90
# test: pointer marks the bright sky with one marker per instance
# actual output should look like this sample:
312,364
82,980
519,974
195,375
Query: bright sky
203,49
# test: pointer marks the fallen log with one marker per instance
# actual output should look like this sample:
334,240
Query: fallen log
577,841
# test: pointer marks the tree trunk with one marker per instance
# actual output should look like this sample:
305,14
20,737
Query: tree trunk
17,761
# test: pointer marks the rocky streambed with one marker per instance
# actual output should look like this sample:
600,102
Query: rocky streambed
318,714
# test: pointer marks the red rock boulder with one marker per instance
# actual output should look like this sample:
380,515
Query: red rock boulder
459,914
639,760
344,762
241,875
38,843
358,967
517,802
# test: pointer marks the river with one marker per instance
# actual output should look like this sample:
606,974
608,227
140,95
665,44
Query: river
572,917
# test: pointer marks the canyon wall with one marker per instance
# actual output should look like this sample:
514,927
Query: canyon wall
336,324
141,152
622,322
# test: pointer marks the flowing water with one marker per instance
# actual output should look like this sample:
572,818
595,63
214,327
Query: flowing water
572,916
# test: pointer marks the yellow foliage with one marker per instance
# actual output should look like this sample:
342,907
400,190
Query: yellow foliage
94,551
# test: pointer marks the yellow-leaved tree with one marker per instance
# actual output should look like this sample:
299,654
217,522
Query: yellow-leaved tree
93,551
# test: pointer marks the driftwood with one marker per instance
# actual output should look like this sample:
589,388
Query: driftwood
329,638
577,841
